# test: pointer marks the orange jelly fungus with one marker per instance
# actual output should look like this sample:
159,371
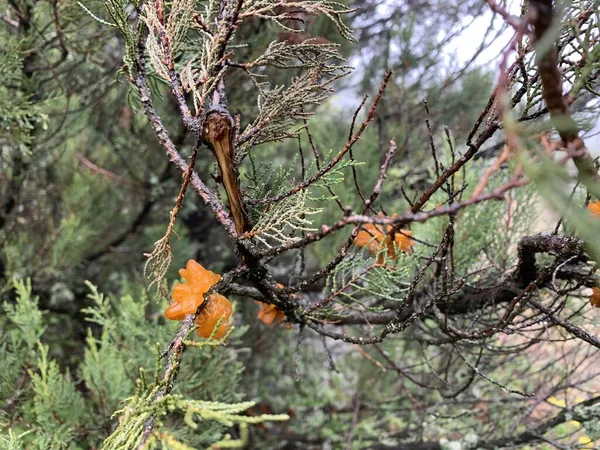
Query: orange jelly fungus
373,237
268,314
594,207
189,295
595,298
217,308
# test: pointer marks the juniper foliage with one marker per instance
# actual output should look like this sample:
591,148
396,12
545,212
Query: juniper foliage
116,377
458,327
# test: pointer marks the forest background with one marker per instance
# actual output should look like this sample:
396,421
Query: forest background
476,329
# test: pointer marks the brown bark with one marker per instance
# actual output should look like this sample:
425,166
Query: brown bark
552,87
218,134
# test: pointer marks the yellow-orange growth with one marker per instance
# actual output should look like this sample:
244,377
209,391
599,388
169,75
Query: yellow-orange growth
595,298
217,308
188,296
269,314
376,240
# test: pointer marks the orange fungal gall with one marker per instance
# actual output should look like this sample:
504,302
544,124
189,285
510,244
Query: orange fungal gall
217,308
376,240
188,296
269,314
595,298
594,207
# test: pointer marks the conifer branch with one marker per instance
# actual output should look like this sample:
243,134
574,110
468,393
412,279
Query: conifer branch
552,90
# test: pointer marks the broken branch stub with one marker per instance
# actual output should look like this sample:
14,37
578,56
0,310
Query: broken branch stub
217,133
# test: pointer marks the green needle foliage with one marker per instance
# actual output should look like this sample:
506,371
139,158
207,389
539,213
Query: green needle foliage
473,334
77,407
